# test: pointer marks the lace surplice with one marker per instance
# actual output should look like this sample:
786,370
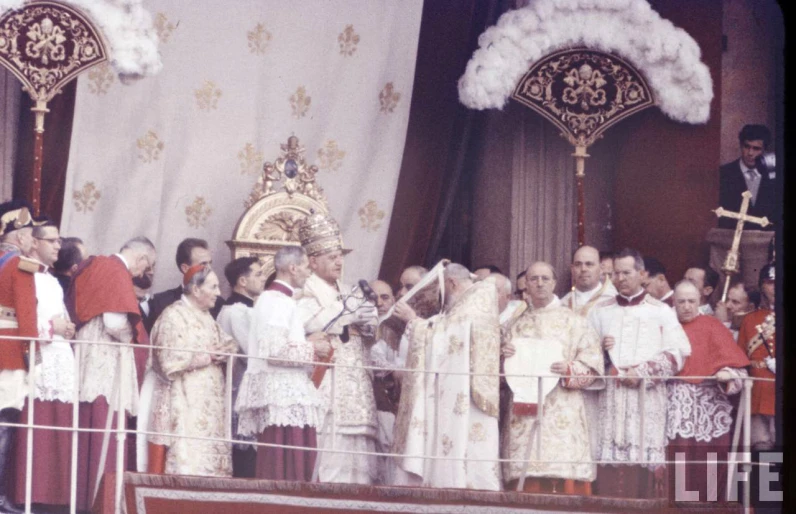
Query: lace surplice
701,411
620,415
276,389
55,375
98,363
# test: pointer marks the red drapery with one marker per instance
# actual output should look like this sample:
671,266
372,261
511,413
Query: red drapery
57,135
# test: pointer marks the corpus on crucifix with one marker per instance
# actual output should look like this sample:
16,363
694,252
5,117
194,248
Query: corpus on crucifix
730,266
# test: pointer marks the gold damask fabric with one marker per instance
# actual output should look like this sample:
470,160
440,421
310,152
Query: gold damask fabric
354,405
447,412
478,306
565,427
187,400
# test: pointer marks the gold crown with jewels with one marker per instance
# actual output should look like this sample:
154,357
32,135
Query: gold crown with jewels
319,233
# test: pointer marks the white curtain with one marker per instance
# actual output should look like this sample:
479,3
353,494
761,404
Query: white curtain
176,155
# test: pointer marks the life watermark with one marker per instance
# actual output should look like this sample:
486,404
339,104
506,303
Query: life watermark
714,479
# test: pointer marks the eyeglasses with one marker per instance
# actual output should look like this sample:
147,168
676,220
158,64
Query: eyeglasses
51,240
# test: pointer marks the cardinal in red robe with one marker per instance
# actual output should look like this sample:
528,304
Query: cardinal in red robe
102,303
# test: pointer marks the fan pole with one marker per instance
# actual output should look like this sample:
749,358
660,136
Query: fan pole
580,173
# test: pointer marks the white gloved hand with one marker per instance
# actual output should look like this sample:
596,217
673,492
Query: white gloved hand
771,364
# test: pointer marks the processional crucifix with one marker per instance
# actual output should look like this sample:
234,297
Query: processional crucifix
730,266
46,45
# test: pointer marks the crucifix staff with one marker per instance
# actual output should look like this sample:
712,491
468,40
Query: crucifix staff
730,266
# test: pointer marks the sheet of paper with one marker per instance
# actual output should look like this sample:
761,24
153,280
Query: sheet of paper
533,357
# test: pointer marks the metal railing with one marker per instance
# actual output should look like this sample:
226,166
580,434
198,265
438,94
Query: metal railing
117,407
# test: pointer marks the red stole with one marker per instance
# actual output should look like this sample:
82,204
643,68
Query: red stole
636,300
319,370
102,284
712,349
278,286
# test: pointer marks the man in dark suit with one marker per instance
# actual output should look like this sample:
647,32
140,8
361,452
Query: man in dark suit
749,173
190,251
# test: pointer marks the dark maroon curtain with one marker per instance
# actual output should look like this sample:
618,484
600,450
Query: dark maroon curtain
430,215
57,134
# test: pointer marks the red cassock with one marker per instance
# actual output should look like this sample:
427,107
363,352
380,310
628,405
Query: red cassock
712,349
17,311
101,284
763,393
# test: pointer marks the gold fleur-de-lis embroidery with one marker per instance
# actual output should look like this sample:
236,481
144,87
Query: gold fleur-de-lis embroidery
460,407
259,38
86,198
388,98
250,160
477,433
198,212
371,216
330,157
455,345
163,27
100,79
348,40
300,102
447,444
207,96
150,146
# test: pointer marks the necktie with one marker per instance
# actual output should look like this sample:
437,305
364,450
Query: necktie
753,183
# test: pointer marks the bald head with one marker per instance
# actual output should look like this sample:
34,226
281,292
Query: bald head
384,297
458,272
585,268
503,285
686,301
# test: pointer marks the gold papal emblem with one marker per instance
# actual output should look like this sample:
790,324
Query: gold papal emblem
284,195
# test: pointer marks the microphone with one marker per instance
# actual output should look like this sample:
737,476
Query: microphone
367,291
